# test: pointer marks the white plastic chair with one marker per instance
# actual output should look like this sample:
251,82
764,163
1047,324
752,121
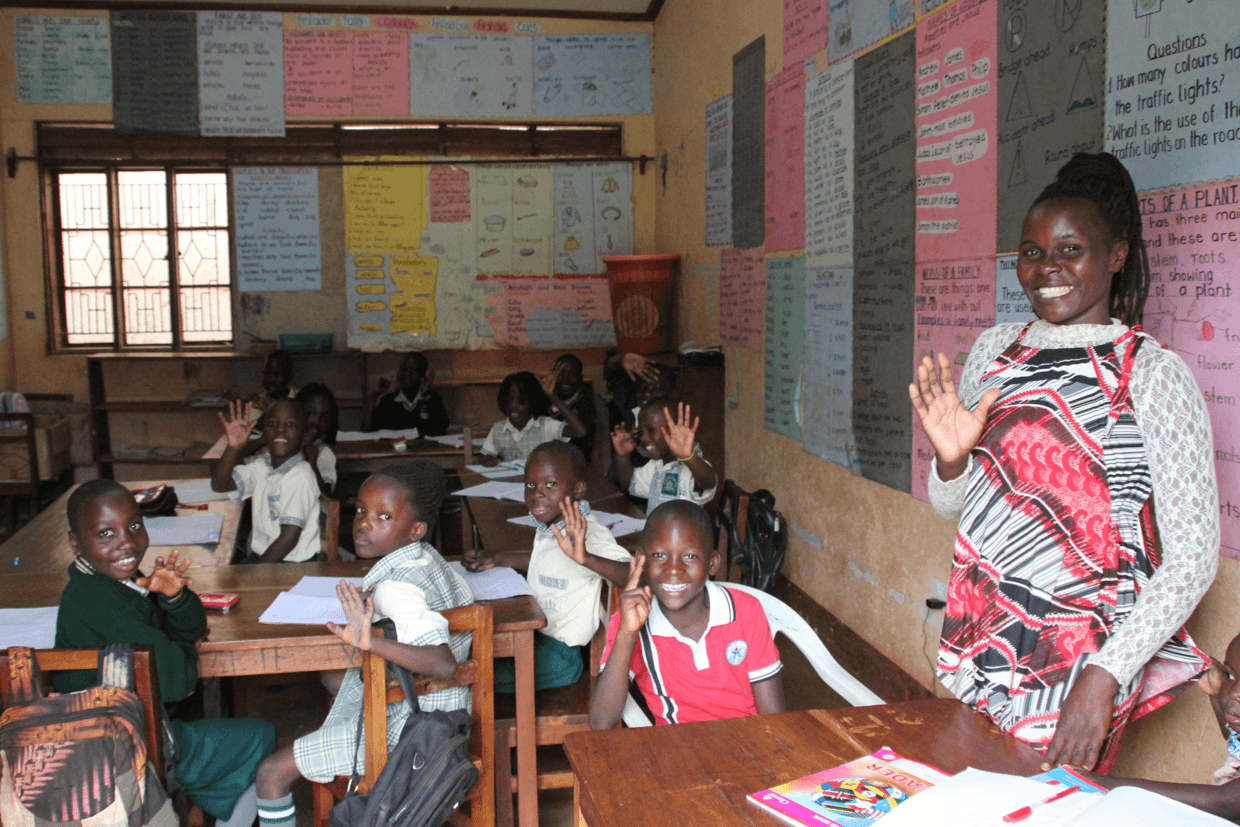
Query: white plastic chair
782,618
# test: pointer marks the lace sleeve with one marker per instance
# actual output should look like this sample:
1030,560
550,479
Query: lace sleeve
948,497
1176,426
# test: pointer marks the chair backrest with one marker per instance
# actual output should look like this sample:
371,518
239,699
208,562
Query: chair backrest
783,619
146,686
611,599
477,672
331,533
731,519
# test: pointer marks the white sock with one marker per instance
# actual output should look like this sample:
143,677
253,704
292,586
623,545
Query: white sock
244,811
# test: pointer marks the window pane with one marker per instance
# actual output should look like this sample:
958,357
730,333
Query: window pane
203,257
87,258
88,315
202,199
144,258
83,201
206,314
143,198
148,317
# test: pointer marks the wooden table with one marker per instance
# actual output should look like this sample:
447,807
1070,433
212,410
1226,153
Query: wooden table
700,774
43,543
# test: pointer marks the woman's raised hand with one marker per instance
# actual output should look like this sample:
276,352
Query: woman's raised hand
953,429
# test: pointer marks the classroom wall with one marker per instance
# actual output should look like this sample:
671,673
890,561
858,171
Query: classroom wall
867,553
25,363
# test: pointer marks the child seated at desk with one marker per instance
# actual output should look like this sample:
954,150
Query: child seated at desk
526,424
573,553
715,655
280,484
566,380
413,404
109,600
412,585
677,470
277,379
322,422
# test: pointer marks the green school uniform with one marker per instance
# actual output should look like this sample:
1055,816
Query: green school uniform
216,760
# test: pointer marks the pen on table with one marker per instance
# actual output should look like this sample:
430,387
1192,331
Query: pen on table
1026,811
199,506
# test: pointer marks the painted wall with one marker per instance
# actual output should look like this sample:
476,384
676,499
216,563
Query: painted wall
867,553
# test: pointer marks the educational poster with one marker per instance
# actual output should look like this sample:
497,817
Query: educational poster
1173,90
826,397
855,24
719,172
471,76
1011,303
155,72
748,145
276,211
785,345
742,296
785,161
62,59
448,191
805,29
241,73
513,219
592,74
956,159
613,211
1193,244
384,208
593,215
829,152
1051,75
346,72
955,302
882,353
562,312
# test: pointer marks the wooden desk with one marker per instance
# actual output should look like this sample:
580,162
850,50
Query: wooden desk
43,543
703,772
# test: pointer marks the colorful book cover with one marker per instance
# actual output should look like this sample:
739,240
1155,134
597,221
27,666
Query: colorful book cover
851,795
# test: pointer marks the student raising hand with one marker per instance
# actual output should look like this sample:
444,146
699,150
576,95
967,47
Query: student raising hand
360,612
635,602
678,433
237,426
573,539
167,578
623,442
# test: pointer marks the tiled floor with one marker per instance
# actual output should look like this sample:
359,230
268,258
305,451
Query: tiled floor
298,707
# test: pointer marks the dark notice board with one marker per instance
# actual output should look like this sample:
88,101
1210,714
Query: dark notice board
749,145
155,72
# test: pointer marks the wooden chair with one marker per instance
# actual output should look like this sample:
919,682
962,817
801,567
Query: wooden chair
20,473
478,672
731,514
558,712
331,534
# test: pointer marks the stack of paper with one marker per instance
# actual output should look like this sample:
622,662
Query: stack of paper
365,436
198,491
493,584
514,491
297,608
197,529
501,471
309,586
456,440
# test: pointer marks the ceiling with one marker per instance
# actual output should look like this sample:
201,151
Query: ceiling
587,9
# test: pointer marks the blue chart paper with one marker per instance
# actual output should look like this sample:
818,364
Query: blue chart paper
241,73
855,24
600,74
827,395
1011,303
593,215
785,344
471,75
719,172
155,72
63,59
277,215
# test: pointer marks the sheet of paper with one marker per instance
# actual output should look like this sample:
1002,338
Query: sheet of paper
719,172
310,586
353,72
194,529
295,608
277,221
749,145
198,491
620,525
785,160
385,433
742,295
35,628
384,210
975,798
593,215
155,72
504,470
455,440
1011,303
855,24
785,345
592,74
1133,807
514,491
448,189
829,152
62,59
471,75
513,219
957,97
805,29
826,401
241,74
493,584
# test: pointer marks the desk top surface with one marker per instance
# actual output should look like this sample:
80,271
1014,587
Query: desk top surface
705,771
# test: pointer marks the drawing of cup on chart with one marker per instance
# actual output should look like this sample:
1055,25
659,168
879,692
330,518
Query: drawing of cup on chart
494,223
589,94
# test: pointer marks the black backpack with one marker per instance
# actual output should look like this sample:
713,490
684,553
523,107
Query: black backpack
762,552
427,776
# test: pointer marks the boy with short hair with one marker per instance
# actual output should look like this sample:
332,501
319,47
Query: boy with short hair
280,484
677,470
569,387
109,600
573,554
413,404
706,652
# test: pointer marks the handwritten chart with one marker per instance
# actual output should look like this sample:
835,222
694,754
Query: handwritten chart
1173,95
785,161
449,190
384,208
276,214
334,72
749,145
829,154
155,72
62,59
719,172
826,400
956,160
512,219
555,313
593,215
742,295
592,74
805,29
785,344
481,76
241,73
1011,303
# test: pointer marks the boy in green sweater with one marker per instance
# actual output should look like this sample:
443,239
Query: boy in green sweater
109,600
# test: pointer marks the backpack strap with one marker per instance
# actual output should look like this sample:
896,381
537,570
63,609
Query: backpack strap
116,666
24,680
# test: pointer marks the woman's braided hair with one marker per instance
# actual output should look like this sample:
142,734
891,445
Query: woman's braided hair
1104,182
425,485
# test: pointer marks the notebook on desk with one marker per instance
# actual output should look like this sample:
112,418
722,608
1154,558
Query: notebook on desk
196,529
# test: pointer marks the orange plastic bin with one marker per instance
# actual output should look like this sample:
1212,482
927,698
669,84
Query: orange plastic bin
641,300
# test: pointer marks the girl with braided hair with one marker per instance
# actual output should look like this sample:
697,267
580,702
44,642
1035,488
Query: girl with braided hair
1069,589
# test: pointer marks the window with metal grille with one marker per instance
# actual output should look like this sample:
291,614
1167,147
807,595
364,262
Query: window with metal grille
144,258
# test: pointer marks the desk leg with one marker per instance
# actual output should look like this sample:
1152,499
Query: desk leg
527,753
578,821
212,698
